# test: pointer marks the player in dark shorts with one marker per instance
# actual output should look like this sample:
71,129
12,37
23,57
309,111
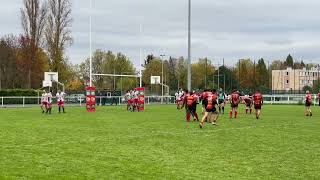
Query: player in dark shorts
221,101
308,100
258,102
234,101
210,112
247,100
194,106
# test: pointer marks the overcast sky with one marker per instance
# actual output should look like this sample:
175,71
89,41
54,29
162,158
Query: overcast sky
229,29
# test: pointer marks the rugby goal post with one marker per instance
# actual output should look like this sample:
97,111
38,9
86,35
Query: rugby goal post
50,77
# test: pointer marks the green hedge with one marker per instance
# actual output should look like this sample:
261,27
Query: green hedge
19,92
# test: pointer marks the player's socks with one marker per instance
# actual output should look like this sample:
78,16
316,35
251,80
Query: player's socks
223,110
230,114
219,109
246,111
196,115
188,117
63,110
59,109
235,114
250,111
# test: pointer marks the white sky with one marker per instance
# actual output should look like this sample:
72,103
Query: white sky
229,29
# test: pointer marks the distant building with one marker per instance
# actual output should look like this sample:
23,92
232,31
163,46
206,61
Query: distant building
294,79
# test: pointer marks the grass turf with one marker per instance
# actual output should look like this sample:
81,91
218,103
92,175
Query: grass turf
156,144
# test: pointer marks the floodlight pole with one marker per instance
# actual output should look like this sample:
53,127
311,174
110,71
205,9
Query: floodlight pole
140,59
162,55
189,46
90,37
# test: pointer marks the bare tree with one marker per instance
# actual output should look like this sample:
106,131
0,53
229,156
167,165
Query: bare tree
58,33
33,16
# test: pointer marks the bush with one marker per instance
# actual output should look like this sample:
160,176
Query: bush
19,92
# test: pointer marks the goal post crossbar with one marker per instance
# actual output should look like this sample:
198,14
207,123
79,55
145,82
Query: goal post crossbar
117,75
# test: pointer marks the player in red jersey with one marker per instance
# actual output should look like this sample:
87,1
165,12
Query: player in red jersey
234,101
210,113
258,102
247,100
308,100
191,106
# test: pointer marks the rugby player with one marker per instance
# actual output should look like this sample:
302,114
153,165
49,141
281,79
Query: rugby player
210,113
49,102
192,106
221,101
258,102
308,103
234,101
127,98
60,100
43,101
247,100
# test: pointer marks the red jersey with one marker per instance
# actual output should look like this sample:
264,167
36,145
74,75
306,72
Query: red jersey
257,98
191,99
309,97
319,95
235,98
211,101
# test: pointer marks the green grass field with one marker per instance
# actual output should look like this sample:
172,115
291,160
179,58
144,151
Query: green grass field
156,144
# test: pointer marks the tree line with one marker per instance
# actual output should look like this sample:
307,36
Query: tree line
46,33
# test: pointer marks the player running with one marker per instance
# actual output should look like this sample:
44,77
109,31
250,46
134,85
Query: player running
60,100
49,102
234,101
308,103
179,99
221,101
43,101
191,107
247,100
258,102
210,113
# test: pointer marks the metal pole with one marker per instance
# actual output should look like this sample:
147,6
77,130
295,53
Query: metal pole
140,60
205,78
90,59
162,77
189,47
218,76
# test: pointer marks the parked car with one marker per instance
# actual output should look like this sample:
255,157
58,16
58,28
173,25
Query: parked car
76,98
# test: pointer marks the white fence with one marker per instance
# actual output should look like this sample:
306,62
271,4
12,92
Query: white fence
119,100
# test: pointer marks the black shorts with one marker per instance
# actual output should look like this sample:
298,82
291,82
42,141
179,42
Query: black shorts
308,104
234,105
221,101
192,108
249,105
211,110
257,106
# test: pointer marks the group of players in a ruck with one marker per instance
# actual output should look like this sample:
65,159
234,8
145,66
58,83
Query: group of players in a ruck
46,101
132,99
213,104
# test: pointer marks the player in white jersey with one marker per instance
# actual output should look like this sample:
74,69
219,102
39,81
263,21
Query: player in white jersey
60,100
43,101
127,98
49,102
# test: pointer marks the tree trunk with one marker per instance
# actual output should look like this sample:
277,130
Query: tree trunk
29,79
